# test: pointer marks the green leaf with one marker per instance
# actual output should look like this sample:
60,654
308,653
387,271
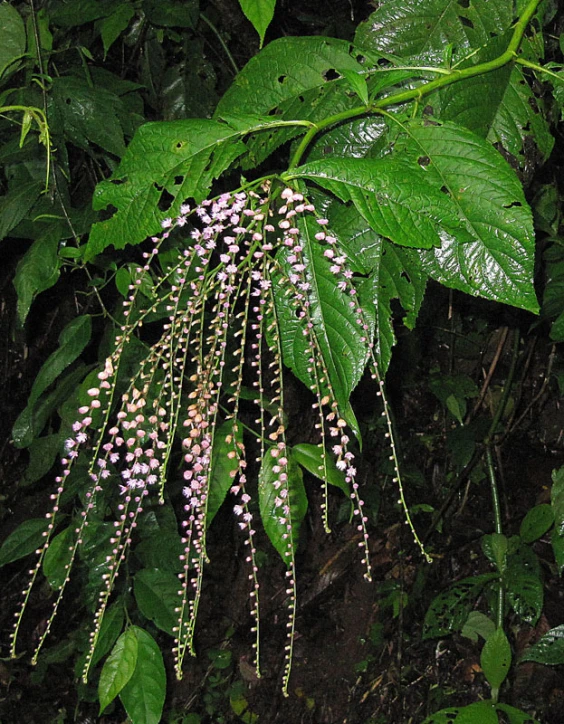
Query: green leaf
525,593
478,624
37,270
271,513
15,205
423,29
516,716
449,611
284,70
118,667
444,716
310,458
334,322
537,521
88,114
492,256
176,158
57,557
291,79
27,538
223,468
79,12
481,712
557,503
72,341
549,649
13,43
495,658
113,26
172,13
392,195
112,625
144,694
42,454
259,13
358,83
156,594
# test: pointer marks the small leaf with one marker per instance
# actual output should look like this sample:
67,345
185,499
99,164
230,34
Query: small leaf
57,557
144,694
109,631
13,37
537,521
358,83
37,270
222,467
259,13
310,458
156,594
113,26
118,667
15,205
549,649
478,624
274,521
496,659
24,540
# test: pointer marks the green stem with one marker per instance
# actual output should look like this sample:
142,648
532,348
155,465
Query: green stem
454,76
535,66
217,34
489,442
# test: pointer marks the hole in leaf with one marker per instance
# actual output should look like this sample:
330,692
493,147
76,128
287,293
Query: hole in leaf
382,61
466,22
165,201
423,161
428,110
405,275
179,144
327,150
68,101
282,78
330,74
178,180
360,58
118,181
445,190
464,3
512,205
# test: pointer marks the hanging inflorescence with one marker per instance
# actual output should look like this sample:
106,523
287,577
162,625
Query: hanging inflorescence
210,291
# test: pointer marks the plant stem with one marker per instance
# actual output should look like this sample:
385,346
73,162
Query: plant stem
489,443
222,42
454,76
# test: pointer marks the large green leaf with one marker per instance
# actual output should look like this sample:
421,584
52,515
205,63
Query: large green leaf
24,540
549,649
118,667
481,712
38,269
17,202
392,194
334,322
144,694
283,70
496,658
422,29
109,631
493,254
13,42
449,610
176,160
72,341
292,78
156,594
271,514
